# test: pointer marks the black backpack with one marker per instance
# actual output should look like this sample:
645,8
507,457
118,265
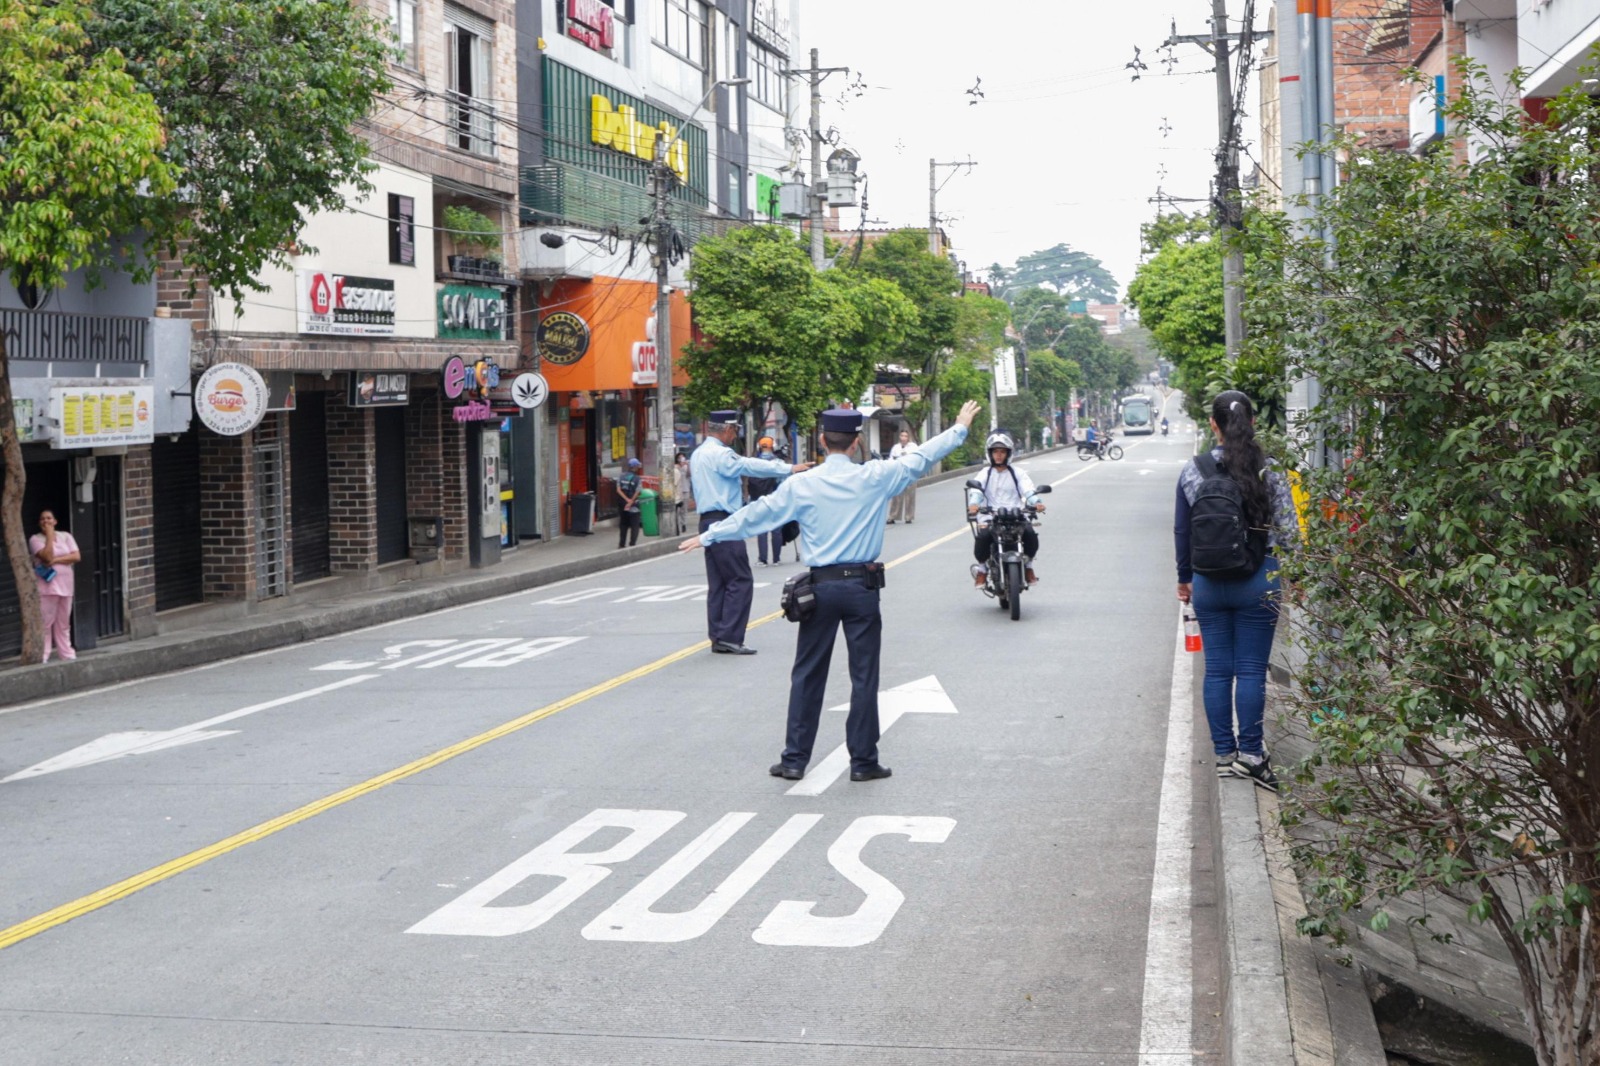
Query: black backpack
1221,542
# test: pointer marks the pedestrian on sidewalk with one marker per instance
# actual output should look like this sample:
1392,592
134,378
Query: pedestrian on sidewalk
1232,584
628,487
682,493
840,507
904,506
54,552
715,470
757,487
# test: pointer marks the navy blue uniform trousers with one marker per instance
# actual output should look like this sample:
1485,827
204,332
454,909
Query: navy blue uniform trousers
848,603
730,588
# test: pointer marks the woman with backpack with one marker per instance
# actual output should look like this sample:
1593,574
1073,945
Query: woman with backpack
1234,513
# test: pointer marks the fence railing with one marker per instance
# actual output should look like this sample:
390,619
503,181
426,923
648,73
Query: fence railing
560,193
72,337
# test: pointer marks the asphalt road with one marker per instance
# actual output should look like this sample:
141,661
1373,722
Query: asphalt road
540,830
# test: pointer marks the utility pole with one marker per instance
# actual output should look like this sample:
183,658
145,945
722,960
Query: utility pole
1230,213
1228,210
935,414
816,74
661,178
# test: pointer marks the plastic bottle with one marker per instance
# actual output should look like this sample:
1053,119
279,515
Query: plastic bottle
1191,630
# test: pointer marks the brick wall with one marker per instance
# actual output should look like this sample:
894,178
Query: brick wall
138,538
436,469
352,490
227,516
1371,97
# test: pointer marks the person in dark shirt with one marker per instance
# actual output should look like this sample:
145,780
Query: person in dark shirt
757,487
629,487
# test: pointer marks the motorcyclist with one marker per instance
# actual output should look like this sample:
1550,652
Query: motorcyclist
1163,425
1003,486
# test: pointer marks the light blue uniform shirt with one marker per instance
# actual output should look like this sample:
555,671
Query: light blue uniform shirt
840,506
715,470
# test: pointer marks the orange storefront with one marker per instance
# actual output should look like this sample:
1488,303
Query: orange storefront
597,353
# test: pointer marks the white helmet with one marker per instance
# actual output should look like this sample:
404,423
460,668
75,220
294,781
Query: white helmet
999,439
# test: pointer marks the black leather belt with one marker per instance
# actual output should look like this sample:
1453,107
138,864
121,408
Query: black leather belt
839,572
715,516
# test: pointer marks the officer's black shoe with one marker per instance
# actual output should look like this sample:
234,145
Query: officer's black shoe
788,773
869,773
722,647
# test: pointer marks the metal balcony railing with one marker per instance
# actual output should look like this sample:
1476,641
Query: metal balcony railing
69,337
473,126
561,193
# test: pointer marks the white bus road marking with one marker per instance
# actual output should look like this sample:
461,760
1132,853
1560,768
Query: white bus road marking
1166,1022
923,696
790,924
117,745
638,594
479,652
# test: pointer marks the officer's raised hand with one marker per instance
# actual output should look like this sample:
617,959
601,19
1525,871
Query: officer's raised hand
969,411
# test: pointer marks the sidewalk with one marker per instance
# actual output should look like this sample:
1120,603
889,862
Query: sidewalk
529,566
1293,1000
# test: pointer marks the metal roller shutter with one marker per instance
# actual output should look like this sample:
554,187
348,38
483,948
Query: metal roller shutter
175,498
389,435
308,485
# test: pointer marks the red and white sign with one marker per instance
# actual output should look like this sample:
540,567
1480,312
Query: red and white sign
230,398
593,23
344,305
644,362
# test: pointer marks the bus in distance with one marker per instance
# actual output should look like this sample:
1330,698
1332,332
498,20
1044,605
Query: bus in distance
1136,415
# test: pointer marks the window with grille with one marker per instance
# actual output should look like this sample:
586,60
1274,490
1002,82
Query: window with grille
469,72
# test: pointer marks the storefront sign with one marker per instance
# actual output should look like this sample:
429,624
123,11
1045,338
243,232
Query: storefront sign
1005,372
230,399
474,411
344,305
529,390
369,389
770,25
98,416
617,126
895,398
22,415
563,338
593,23
644,362
472,312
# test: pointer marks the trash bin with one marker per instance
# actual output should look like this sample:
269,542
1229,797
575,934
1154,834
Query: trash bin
581,513
649,516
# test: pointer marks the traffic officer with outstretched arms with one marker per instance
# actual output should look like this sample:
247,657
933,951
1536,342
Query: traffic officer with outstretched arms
840,507
714,472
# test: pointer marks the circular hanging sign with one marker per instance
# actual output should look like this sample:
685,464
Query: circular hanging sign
563,338
230,398
529,390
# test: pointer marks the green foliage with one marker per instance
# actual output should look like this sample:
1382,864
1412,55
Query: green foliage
1448,587
931,284
776,331
1178,292
77,137
262,103
471,229
1062,271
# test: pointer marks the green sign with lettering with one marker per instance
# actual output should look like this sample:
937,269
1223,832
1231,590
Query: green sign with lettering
472,312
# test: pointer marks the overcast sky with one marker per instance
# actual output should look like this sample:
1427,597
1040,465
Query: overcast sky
1067,147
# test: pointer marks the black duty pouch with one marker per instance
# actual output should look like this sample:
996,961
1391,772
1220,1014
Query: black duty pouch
877,576
799,597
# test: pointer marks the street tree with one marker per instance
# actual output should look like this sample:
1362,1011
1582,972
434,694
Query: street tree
80,164
932,285
1178,293
775,331
1447,584
1066,272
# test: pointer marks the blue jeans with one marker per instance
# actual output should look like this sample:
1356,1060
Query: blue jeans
1237,620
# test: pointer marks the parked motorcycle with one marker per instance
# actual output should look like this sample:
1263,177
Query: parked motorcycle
1007,562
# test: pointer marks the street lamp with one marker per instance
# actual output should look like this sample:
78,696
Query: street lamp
662,182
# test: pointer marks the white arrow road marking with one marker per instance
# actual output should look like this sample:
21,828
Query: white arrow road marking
923,696
581,594
116,745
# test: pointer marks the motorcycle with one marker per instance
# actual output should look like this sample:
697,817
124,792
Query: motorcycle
1104,448
1007,562
1163,429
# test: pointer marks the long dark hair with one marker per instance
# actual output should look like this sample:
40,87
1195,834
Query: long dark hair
1242,457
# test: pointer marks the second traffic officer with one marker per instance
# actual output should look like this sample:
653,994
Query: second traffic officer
714,471
840,507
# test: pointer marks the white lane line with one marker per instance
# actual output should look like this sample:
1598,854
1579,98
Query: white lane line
1166,1021
923,696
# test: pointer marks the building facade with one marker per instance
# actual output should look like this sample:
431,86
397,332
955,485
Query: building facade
606,79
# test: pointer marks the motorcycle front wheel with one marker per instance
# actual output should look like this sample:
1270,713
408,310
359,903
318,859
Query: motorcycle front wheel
1115,451
1014,588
